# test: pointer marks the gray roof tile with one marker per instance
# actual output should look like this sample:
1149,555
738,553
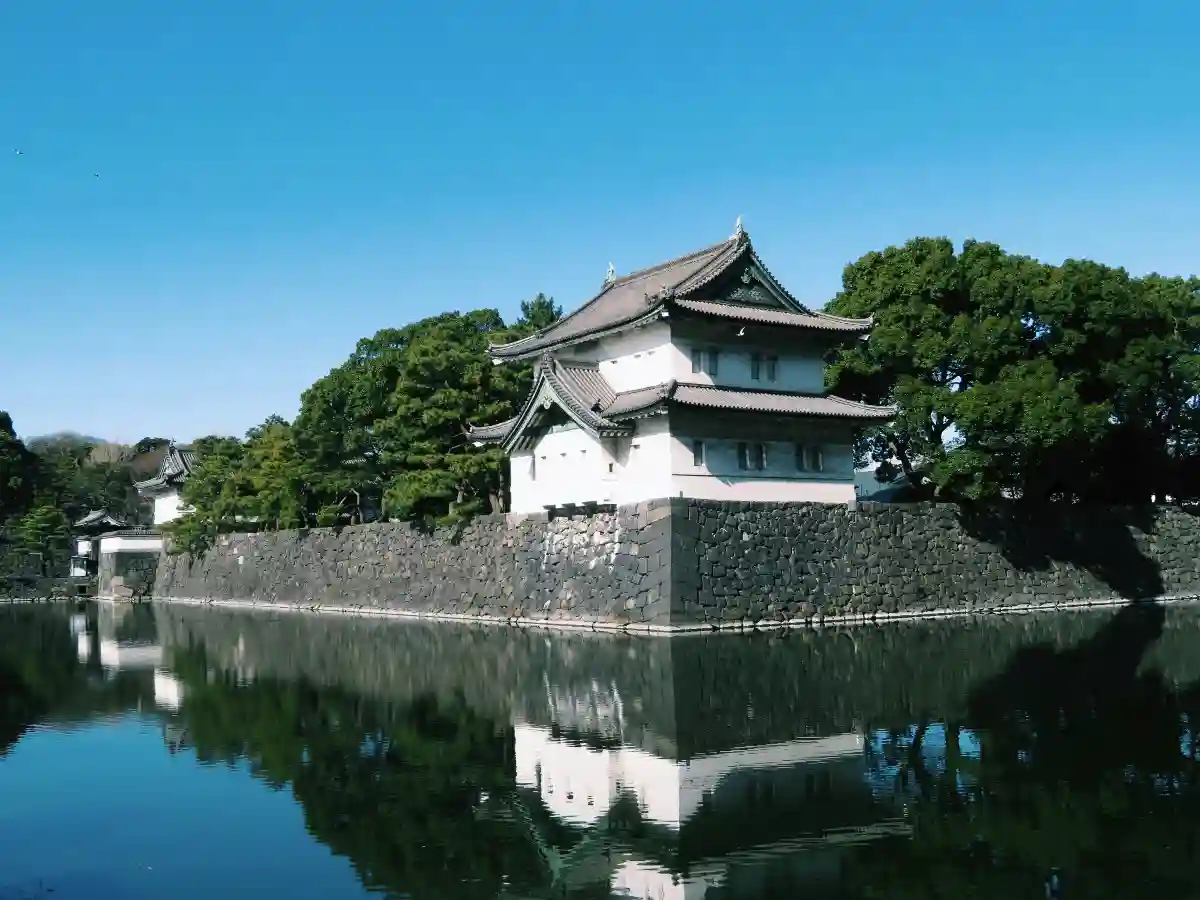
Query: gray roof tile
823,406
177,465
575,385
708,397
631,298
764,316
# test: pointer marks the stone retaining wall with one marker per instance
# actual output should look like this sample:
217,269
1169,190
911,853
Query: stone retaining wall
126,575
681,564
611,567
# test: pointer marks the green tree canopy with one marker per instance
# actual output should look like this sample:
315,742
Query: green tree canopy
1013,377
18,471
46,530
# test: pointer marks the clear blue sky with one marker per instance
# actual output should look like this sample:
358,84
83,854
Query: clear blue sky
279,179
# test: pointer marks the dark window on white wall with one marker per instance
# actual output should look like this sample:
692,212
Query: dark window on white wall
772,368
810,459
714,359
752,456
697,360
697,453
755,366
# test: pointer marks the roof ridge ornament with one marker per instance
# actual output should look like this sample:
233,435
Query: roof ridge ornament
611,275
738,231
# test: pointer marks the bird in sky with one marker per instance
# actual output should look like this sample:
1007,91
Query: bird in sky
19,152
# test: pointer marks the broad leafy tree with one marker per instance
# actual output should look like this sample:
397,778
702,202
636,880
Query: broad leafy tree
1021,379
18,471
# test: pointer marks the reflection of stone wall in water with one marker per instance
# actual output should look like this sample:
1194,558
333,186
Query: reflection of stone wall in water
677,697
124,575
681,563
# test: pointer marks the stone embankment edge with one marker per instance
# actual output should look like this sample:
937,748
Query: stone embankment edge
813,623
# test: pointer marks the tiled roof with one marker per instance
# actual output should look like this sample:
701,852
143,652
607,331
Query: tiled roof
620,301
645,294
99,517
578,387
765,316
491,434
586,383
137,531
823,406
574,386
176,466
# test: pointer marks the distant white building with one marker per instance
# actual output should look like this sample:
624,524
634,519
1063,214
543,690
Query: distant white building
700,377
166,487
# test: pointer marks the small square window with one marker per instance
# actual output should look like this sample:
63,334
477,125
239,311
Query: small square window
772,368
755,367
697,453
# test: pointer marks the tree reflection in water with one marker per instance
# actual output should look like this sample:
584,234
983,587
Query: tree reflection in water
1083,783
1001,762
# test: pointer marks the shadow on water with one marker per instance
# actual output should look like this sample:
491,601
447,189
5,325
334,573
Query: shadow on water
1097,541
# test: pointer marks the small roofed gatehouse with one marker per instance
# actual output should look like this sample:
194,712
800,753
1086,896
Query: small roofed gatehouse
87,533
700,377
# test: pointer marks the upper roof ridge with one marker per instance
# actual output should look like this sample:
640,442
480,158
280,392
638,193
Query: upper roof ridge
671,263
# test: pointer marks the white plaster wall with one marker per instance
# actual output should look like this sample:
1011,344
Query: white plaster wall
83,546
579,783
83,647
647,881
130,656
168,690
568,466
721,478
134,544
798,372
633,359
167,507
644,462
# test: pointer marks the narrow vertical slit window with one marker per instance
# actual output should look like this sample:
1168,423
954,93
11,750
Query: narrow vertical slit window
755,367
697,360
697,453
760,456
816,459
772,368
801,458
743,451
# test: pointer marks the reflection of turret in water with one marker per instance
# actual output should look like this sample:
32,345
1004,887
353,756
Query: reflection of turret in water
126,637
175,737
169,691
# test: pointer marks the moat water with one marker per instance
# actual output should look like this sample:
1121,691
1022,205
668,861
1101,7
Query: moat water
158,751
